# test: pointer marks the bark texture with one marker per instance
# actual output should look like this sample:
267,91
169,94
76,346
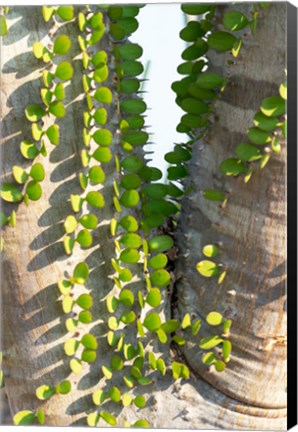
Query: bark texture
252,229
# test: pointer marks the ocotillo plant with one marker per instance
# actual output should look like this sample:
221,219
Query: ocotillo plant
128,301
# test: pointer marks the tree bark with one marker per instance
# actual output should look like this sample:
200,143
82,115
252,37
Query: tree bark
250,394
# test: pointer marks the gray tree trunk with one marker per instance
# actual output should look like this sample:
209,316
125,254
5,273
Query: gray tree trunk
251,393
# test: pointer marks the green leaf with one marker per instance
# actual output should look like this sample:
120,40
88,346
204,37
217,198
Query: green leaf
213,195
97,34
37,131
154,297
226,350
152,321
67,304
103,137
89,341
37,172
177,173
234,20
275,144
129,223
233,167
46,96
207,268
57,109
10,193
130,181
76,202
68,244
257,136
210,80
195,327
160,365
70,224
66,12
44,392
84,238
128,317
29,150
196,9
220,366
170,326
209,358
98,397
248,152
125,275
126,399
71,346
96,20
268,124
162,336
47,12
160,278
81,273
198,49
214,318
96,175
34,112
95,199
88,356
62,44
115,394
103,155
64,71
103,95
53,133
47,78
133,106
23,418
135,138
64,286
132,163
131,240
113,323
108,418
274,106
40,416
132,68
93,419
126,297
210,342
191,32
75,365
117,363
38,50
210,250
71,325
130,51
59,92
85,317
140,401
130,256
130,198
194,106
158,261
85,301
64,387
107,371
129,85
283,90
221,41
161,243
237,47
19,174
112,303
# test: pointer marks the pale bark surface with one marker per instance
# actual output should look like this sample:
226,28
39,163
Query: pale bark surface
33,261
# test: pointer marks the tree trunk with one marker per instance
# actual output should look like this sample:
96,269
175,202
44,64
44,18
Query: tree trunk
250,393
